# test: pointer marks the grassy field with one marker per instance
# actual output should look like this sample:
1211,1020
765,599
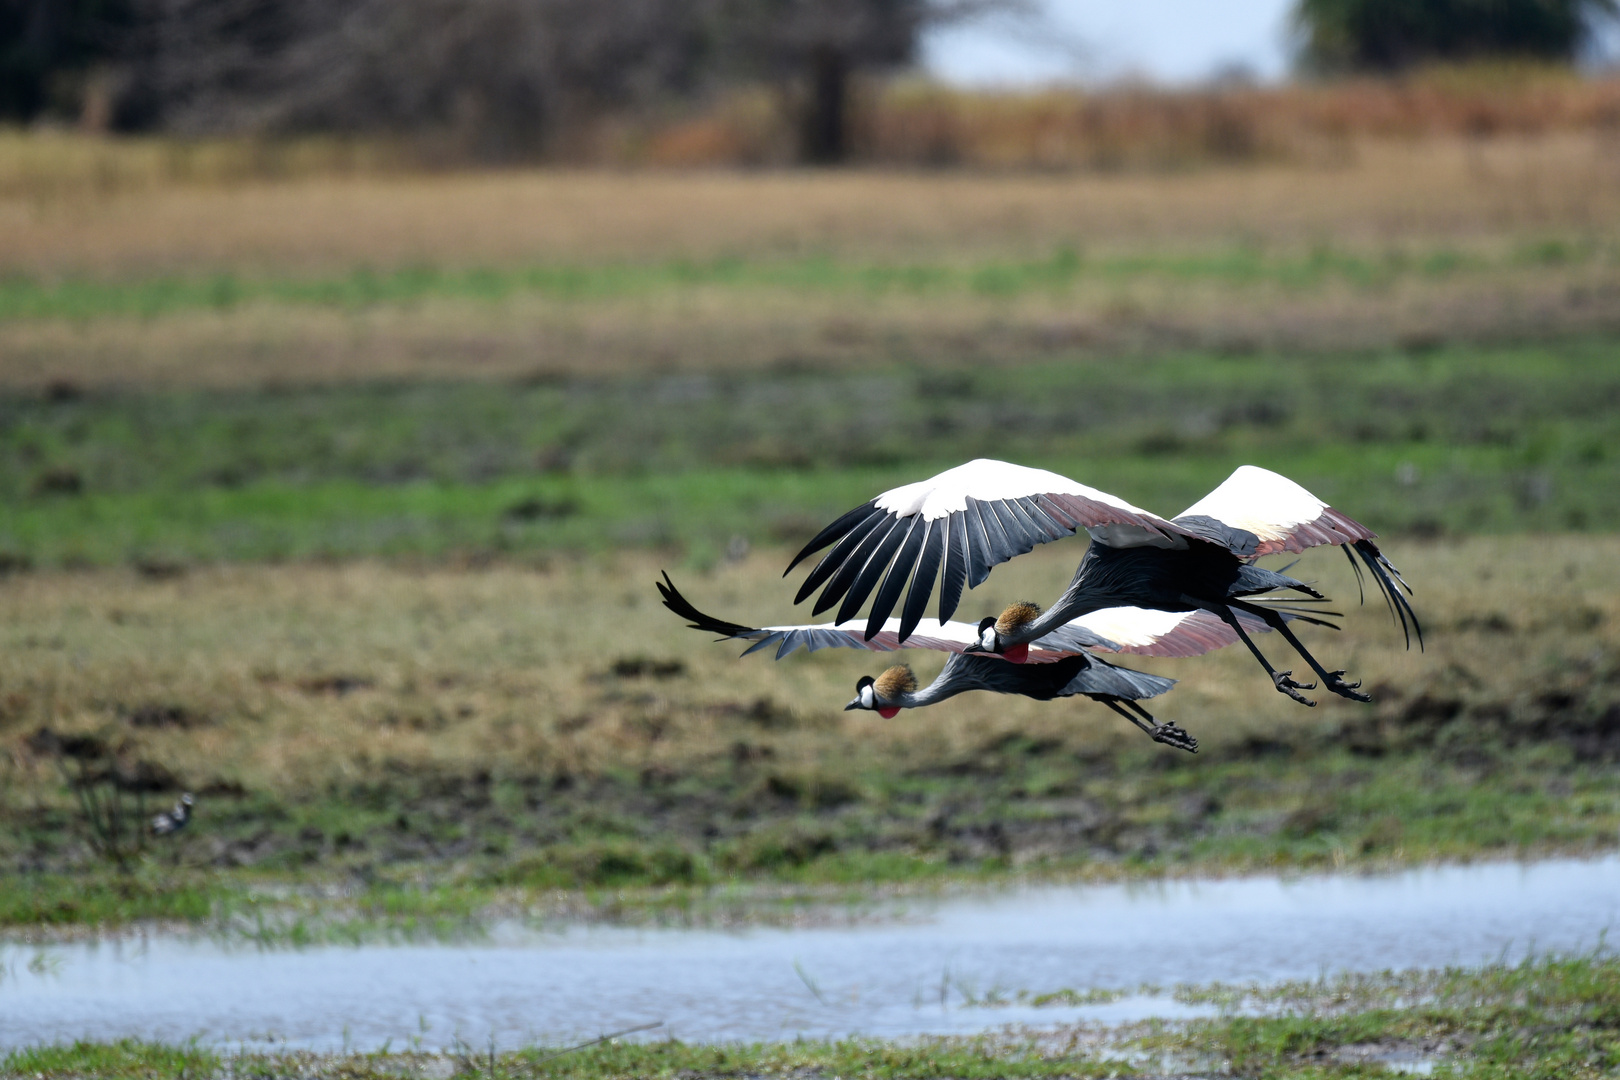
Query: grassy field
1548,1018
430,742
337,499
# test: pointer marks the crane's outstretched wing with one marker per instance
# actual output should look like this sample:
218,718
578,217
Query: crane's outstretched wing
956,526
1145,632
1258,512
1136,631
930,634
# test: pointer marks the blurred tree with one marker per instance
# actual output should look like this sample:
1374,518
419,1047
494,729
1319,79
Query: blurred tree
499,79
47,48
810,48
1389,35
504,78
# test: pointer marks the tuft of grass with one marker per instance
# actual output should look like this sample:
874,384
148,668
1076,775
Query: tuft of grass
54,900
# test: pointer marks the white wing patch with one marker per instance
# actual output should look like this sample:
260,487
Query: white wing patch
928,630
1131,626
985,479
1260,501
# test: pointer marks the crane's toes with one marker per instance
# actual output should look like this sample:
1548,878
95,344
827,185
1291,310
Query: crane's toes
1288,686
1172,735
1335,682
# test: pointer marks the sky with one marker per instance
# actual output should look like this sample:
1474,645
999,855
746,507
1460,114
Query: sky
1170,42
1174,42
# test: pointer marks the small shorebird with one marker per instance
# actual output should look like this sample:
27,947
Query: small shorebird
172,820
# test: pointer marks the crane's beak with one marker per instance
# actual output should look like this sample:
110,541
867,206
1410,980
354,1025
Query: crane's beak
974,648
852,706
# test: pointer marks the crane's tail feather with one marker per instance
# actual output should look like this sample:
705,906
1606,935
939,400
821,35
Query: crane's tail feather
1286,607
1390,583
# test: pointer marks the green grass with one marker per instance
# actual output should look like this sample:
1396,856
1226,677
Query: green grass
1555,1017
1463,440
1247,266
128,1058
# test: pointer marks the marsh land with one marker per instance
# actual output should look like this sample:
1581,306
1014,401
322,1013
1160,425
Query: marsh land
338,501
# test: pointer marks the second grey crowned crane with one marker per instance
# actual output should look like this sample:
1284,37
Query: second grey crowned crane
1080,675
1057,665
1138,631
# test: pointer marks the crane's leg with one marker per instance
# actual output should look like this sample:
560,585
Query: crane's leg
1168,733
1280,679
1332,680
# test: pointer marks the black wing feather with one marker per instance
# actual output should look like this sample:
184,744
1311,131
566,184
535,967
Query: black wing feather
1016,524
833,532
1044,523
834,559
956,567
995,534
978,545
872,572
681,606
895,582
852,566
922,582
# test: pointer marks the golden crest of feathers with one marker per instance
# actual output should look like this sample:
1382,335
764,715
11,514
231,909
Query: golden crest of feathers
1016,616
894,682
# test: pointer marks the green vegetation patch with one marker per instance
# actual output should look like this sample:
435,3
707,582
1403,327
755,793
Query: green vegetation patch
23,297
128,1059
1457,440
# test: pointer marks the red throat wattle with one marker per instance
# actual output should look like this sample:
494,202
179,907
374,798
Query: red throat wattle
889,712
1018,654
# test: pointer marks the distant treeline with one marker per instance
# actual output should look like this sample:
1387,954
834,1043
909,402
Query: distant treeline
506,78
517,79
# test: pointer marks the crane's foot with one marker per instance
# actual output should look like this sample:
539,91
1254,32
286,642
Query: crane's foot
1335,682
1172,735
1288,686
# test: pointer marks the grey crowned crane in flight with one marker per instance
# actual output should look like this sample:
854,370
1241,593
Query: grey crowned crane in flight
1078,675
956,526
1056,665
1137,631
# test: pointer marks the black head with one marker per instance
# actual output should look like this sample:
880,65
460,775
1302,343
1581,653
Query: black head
989,639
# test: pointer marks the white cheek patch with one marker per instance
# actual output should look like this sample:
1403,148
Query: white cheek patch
868,698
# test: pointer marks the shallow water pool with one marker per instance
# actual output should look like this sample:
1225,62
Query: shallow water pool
928,969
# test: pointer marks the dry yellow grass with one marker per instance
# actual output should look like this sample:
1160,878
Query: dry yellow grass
510,668
1481,200
1459,191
